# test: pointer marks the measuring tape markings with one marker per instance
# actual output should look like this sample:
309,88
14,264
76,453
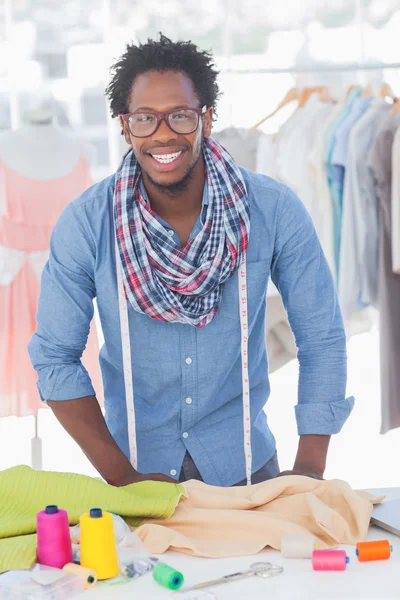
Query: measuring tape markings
127,363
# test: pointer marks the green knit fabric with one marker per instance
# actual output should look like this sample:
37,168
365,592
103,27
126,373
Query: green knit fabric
24,492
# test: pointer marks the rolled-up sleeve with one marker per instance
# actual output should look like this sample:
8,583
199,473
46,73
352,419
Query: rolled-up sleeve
302,275
65,311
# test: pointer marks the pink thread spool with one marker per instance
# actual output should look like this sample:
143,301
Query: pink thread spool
330,560
54,547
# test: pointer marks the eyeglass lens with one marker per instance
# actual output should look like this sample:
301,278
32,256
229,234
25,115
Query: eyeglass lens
180,121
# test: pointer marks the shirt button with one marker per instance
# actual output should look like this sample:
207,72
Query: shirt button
171,233
189,401
188,361
172,472
185,435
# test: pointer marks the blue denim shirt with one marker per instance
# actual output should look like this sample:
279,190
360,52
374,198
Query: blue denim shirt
197,406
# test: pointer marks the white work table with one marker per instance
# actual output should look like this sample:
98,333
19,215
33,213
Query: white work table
374,580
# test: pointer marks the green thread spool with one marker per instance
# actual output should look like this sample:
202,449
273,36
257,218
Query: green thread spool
167,576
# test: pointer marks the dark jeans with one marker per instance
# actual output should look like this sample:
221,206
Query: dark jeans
268,471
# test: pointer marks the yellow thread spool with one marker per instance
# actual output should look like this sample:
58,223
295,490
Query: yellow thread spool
98,548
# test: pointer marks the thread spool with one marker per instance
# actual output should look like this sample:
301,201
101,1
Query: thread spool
54,548
298,546
98,548
89,576
375,550
167,576
329,560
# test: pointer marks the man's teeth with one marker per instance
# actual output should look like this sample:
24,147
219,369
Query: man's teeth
166,158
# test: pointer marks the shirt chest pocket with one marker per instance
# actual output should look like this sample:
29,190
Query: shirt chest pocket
257,280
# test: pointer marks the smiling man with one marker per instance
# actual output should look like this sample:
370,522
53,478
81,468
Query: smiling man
178,247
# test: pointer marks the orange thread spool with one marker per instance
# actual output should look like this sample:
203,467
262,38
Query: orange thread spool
376,550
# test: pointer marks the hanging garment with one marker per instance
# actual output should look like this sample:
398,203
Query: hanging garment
330,142
396,203
319,175
294,127
12,261
241,144
266,156
284,156
29,210
297,167
339,159
358,272
380,161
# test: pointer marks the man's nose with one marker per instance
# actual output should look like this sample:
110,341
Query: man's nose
164,133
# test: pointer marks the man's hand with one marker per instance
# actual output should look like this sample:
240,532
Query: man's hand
311,457
304,472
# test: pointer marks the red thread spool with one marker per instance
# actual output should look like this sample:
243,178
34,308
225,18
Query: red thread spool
376,550
329,560
54,547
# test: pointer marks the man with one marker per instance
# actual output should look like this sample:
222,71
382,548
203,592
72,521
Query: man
161,244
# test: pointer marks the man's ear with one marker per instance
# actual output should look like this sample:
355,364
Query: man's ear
125,131
208,121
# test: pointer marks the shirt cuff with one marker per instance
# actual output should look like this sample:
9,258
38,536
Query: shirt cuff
323,418
64,382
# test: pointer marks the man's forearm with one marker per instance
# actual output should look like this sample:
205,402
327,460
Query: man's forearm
312,453
83,420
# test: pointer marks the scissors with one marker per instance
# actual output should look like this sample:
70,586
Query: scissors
258,569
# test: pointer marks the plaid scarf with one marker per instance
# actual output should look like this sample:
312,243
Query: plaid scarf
182,285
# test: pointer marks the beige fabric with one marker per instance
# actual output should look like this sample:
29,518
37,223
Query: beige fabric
221,522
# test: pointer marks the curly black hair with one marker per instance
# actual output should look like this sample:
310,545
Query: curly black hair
162,55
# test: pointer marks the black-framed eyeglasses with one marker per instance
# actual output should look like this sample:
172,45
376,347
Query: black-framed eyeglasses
182,121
